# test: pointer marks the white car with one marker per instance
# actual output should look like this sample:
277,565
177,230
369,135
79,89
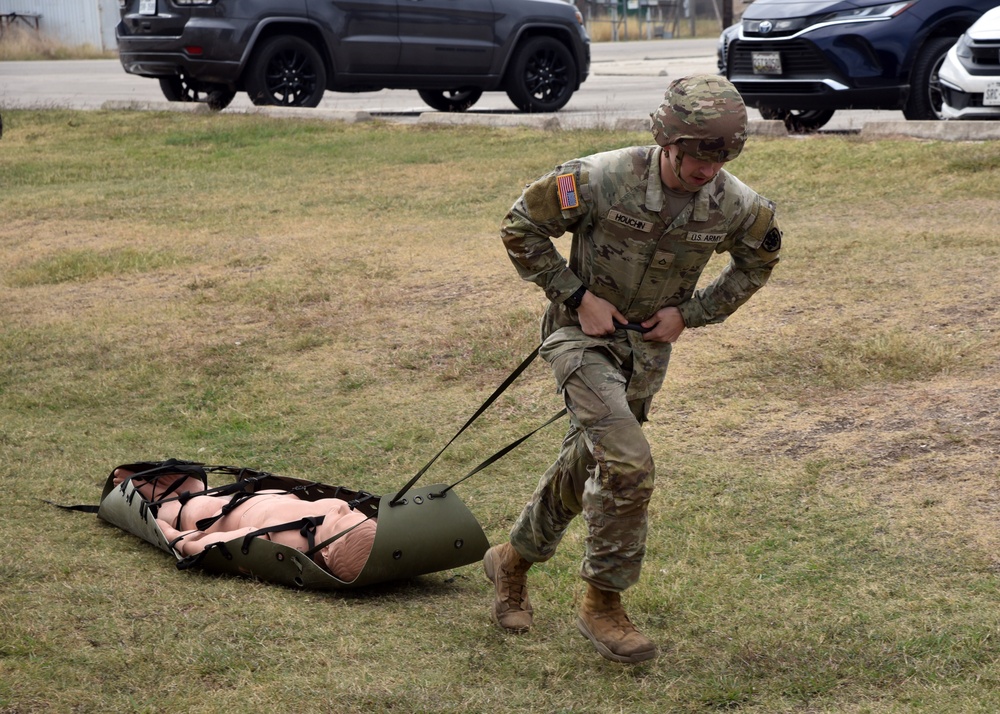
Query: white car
970,73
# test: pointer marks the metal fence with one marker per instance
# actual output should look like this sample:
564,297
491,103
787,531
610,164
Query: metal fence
70,22
618,20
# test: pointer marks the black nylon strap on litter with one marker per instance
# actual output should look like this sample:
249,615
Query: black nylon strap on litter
306,527
319,546
489,400
193,560
205,523
169,467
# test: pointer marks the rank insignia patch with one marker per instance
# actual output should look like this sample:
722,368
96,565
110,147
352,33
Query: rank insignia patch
567,191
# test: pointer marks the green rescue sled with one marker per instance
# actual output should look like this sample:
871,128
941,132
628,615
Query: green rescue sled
427,531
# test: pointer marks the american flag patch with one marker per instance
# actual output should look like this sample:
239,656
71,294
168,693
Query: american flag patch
567,191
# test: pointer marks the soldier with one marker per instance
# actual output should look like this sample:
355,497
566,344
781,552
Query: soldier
645,221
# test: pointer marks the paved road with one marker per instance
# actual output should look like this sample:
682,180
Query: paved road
626,81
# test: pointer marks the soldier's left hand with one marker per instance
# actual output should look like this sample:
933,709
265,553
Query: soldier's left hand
664,326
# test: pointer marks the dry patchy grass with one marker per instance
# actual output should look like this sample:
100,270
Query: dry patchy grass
332,302
21,43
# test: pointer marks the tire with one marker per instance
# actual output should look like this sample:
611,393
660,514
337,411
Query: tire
286,71
924,102
181,88
799,121
542,76
219,99
450,100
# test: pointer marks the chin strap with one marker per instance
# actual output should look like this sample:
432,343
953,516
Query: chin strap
675,168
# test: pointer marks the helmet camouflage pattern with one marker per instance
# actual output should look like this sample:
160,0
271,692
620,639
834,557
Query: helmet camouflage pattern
704,115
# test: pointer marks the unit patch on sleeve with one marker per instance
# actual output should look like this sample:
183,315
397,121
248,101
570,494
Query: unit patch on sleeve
630,221
567,191
772,241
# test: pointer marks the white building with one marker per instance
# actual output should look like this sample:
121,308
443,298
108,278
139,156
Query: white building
70,22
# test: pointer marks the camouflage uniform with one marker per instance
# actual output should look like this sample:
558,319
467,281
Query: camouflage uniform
628,249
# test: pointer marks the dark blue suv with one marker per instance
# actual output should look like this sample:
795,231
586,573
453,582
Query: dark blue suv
799,61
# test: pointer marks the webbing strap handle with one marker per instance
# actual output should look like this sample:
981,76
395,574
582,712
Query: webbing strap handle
489,400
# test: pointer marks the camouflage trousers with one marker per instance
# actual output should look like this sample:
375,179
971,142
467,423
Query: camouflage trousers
604,471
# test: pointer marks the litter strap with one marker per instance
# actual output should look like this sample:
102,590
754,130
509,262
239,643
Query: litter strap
485,405
322,544
82,507
498,455
489,400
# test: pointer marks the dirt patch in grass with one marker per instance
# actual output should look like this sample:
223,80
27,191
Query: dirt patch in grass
926,452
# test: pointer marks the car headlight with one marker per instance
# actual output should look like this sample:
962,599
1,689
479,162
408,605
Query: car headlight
963,48
866,14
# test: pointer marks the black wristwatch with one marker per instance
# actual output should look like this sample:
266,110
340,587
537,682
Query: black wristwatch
576,298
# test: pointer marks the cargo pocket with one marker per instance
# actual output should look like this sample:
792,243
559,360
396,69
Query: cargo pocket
589,382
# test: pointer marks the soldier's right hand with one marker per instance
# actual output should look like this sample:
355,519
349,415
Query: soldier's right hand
597,316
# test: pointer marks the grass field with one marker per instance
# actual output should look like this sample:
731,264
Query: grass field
332,302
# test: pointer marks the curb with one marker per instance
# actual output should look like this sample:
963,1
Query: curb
347,116
974,130
942,130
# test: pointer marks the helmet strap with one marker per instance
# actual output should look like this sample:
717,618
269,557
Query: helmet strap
675,167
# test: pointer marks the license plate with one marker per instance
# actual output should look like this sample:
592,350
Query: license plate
766,62
147,7
991,97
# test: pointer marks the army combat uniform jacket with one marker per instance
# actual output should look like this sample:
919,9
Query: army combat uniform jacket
629,250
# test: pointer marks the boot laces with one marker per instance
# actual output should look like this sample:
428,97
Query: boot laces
515,582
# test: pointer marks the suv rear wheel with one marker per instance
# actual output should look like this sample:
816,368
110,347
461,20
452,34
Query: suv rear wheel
450,100
925,97
799,121
286,71
181,88
542,76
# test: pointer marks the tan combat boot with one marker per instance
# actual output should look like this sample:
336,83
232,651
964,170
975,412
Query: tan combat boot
508,572
603,621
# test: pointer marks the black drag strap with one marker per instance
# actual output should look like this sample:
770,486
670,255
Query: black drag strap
489,400
83,508
634,326
499,455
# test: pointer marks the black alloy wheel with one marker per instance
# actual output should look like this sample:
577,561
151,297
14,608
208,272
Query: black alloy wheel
542,77
286,71
450,100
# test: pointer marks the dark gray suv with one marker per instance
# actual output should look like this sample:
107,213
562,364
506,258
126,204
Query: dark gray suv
289,52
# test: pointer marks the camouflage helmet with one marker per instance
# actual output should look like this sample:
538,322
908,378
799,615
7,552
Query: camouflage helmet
703,114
